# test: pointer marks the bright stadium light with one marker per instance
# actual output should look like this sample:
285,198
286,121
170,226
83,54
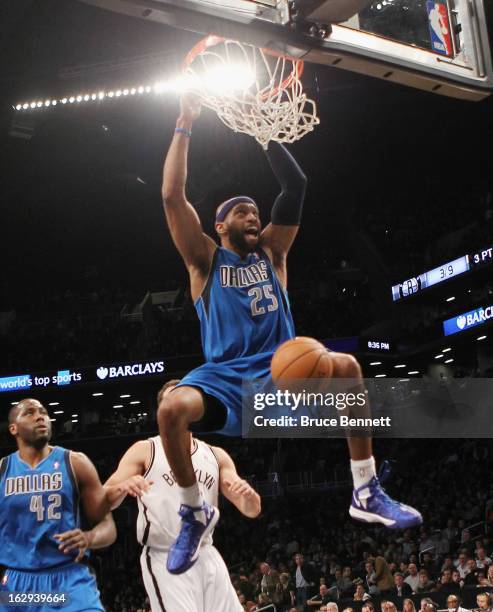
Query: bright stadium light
54,404
373,363
450,299
97,394
380,375
71,99
448,361
413,372
439,356
135,402
446,350
228,78
482,337
126,395
400,365
118,406
58,412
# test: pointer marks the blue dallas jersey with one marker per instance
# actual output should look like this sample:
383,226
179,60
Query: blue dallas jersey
35,504
243,309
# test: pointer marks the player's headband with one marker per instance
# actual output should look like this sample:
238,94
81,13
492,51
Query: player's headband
229,204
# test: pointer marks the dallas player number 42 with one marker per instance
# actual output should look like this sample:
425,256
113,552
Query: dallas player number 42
37,506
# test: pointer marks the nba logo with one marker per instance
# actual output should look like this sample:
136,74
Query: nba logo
56,465
4,580
439,24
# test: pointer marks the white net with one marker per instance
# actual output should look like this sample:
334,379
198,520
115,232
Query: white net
254,91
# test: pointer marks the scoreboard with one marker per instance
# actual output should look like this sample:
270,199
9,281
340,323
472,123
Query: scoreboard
442,273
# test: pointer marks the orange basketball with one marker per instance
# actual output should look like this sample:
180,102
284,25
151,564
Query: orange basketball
301,358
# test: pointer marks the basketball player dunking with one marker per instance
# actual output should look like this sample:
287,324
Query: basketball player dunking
145,473
40,535
239,290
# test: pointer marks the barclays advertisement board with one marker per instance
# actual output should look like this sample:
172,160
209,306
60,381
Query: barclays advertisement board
467,320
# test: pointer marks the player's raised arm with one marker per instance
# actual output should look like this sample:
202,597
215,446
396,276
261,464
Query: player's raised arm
128,478
184,224
234,488
92,495
279,235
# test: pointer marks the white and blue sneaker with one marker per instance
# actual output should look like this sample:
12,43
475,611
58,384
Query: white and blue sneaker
196,525
370,504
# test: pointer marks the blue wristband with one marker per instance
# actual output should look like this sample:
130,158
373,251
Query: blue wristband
184,131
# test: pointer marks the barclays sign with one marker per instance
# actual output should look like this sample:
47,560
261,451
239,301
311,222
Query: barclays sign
467,320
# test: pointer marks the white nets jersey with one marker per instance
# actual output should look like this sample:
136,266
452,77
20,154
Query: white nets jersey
158,523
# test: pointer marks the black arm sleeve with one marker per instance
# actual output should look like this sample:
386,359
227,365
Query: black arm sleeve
289,203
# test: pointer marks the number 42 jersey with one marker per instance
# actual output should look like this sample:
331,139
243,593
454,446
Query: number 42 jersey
243,309
35,504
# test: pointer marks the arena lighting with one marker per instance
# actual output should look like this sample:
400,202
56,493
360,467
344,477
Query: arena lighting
400,365
75,415
221,80
97,394
380,375
450,299
376,363
448,361
54,404
126,395
404,380
58,412
135,402
439,356
413,372
52,420
14,403
75,421
481,337
118,406
446,350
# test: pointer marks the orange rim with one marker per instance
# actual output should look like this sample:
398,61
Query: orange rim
212,40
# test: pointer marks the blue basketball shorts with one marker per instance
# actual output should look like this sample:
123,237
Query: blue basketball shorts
73,581
224,382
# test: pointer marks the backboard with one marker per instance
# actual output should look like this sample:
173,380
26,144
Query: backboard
442,46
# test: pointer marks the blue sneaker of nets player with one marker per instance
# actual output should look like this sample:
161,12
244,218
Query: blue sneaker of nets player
196,525
370,504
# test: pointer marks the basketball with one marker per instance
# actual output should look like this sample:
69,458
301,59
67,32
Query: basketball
301,358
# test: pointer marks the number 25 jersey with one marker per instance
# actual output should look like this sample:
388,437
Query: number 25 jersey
243,309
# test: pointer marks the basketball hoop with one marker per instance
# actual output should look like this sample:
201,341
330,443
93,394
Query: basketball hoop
253,91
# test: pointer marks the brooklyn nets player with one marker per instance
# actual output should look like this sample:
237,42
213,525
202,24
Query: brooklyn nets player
144,473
